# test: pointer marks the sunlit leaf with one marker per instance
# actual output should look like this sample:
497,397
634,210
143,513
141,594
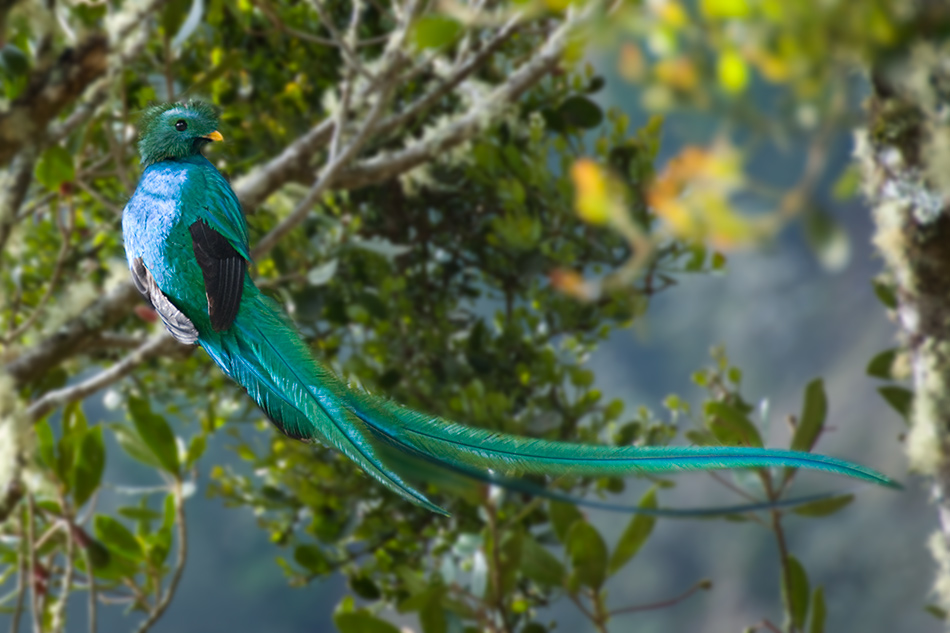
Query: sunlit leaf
435,31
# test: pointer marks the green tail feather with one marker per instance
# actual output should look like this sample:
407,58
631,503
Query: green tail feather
263,352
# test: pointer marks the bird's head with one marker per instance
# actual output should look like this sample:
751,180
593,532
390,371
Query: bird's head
176,130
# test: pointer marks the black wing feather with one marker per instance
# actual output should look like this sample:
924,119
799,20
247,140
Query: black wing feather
223,270
177,324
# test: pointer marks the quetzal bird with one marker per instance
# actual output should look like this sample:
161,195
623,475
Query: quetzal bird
187,245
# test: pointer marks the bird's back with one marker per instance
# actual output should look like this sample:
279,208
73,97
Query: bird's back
170,197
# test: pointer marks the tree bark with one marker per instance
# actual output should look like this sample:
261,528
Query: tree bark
905,157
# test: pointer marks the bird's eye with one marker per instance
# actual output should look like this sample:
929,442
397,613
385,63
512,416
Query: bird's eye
181,125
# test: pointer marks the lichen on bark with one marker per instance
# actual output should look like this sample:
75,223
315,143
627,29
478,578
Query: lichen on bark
905,159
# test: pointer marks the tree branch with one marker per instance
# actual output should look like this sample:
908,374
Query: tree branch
48,91
159,344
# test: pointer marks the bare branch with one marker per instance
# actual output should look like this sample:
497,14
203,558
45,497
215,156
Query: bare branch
384,167
49,91
323,182
159,344
103,314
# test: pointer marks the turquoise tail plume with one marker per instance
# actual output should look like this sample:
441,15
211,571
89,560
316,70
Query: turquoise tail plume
263,352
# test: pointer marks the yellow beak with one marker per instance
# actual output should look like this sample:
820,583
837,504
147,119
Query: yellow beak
214,136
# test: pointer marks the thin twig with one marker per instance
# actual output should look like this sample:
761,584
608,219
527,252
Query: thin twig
347,89
21,578
58,621
350,58
91,588
782,544
31,562
702,585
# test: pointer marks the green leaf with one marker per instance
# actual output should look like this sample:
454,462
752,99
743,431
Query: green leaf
89,464
563,516
795,592
823,507
900,399
132,444
885,293
13,62
588,555
46,444
311,558
435,31
136,513
173,15
818,611
812,419
432,615
55,167
937,612
155,433
578,111
74,429
880,365
539,564
116,537
731,426
365,588
195,450
636,534
361,621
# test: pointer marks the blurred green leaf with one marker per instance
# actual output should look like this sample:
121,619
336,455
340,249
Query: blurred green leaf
155,433
581,112
731,426
880,365
362,621
432,615
116,537
132,444
54,167
90,462
195,450
936,611
823,507
435,31
818,611
901,399
540,565
563,516
795,592
636,534
311,558
588,555
812,418
885,293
